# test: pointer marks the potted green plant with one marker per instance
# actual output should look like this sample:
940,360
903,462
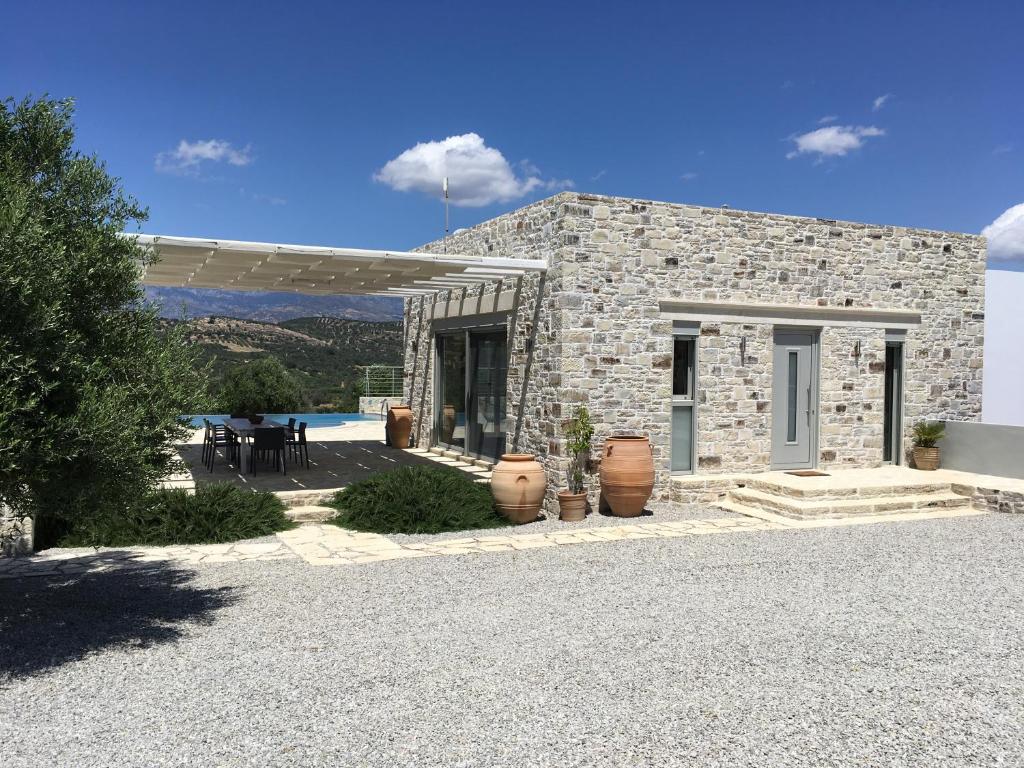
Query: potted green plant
926,435
579,431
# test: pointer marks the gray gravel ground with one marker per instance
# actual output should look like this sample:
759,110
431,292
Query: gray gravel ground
891,645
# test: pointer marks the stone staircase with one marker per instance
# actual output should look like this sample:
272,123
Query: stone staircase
841,494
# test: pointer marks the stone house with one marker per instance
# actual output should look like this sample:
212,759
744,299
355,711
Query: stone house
737,341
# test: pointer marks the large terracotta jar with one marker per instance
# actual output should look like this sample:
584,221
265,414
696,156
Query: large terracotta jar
399,425
447,423
627,474
518,483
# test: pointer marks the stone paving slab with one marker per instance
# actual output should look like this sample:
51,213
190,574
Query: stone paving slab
322,544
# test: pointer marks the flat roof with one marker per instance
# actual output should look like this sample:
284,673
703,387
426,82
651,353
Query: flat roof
192,262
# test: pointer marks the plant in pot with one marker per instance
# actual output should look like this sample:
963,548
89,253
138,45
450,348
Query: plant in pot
926,435
572,504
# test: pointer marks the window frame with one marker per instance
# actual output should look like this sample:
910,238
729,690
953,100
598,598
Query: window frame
689,333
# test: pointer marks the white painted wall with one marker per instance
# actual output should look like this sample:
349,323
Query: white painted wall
1003,378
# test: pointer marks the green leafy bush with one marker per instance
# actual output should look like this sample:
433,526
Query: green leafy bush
419,499
216,513
260,386
928,433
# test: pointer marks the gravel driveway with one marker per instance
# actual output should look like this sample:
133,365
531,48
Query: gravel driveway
891,644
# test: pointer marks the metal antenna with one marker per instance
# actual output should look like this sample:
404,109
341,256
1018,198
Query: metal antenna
444,186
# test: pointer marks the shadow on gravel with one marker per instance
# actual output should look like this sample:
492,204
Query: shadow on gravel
46,622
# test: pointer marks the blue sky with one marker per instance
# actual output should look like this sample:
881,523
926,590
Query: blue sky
278,122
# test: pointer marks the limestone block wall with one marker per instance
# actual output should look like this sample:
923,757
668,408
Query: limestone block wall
599,335
624,256
534,361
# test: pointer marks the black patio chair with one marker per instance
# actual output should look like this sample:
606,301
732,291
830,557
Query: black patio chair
297,444
221,437
269,440
207,439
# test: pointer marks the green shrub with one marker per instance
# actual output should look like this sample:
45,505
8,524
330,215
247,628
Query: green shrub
420,499
928,433
216,513
260,386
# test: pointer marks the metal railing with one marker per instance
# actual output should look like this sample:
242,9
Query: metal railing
382,381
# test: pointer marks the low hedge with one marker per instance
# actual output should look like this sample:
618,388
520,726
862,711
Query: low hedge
420,499
216,513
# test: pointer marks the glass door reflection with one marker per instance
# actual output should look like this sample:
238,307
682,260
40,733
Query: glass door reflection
451,396
485,425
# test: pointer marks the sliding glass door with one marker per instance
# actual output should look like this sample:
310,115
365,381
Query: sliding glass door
450,405
485,426
470,401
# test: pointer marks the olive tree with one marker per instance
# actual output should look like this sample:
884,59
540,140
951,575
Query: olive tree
262,385
91,389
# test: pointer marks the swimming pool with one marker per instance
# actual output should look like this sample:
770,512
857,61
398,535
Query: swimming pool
313,420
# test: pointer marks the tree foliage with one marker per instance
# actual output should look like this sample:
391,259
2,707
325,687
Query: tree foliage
579,432
263,385
91,392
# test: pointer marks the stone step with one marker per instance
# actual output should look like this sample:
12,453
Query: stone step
811,508
826,489
462,458
311,514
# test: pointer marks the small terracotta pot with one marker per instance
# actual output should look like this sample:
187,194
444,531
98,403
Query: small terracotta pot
447,423
399,425
572,507
517,484
926,458
627,474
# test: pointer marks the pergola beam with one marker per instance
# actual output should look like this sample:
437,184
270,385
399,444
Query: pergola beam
317,270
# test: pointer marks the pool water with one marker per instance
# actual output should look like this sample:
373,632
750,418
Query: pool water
313,420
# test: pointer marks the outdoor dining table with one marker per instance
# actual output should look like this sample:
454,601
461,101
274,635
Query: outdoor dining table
245,429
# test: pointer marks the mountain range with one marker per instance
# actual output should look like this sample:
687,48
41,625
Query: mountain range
270,307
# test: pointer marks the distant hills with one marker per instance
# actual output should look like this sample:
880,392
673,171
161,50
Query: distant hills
323,353
271,307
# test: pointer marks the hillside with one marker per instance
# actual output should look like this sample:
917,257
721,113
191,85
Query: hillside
322,352
269,306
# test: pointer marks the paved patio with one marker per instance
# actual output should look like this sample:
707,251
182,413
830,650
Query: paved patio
337,456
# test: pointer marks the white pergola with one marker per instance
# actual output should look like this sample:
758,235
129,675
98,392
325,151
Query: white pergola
190,262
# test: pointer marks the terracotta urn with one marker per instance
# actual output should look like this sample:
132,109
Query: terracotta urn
627,474
518,484
399,425
447,423
572,507
926,458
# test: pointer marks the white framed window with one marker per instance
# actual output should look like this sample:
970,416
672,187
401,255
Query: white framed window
684,396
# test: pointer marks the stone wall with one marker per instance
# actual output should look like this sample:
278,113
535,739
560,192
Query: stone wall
534,361
601,337
625,256
372,405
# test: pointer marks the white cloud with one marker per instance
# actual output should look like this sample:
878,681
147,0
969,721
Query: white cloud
1006,234
828,119
878,103
477,174
599,175
833,140
188,156
1002,149
688,176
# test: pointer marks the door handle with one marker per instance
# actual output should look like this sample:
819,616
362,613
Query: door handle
808,406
